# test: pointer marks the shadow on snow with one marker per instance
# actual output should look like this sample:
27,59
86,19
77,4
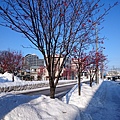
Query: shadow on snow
105,103
9,102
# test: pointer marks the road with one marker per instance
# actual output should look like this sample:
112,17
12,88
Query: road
60,91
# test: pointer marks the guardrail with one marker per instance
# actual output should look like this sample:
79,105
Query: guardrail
28,86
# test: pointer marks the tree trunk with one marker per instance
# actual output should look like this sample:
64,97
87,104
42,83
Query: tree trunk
52,92
13,77
91,81
52,87
97,80
79,84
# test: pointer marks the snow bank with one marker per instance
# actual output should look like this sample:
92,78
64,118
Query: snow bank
7,77
38,108
6,84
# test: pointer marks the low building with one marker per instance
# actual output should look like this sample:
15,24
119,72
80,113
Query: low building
59,62
37,73
24,75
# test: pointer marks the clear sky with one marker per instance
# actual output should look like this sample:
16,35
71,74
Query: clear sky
112,32
14,41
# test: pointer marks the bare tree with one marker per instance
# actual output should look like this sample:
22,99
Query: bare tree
52,26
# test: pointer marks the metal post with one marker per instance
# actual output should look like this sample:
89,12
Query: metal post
96,32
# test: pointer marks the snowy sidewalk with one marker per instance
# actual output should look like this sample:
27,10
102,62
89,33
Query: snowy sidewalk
101,102
109,98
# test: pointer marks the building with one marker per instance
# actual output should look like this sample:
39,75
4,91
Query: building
69,71
34,70
56,61
32,60
32,67
113,72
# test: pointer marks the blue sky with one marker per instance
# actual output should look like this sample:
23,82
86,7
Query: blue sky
14,41
112,32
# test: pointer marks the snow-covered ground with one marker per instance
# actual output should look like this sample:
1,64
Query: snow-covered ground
101,102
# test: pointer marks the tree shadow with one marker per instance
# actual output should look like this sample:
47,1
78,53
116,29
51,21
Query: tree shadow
70,93
10,101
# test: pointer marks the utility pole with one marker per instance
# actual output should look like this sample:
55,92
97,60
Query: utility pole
96,42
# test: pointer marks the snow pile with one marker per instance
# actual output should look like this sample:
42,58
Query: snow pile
36,108
6,84
7,77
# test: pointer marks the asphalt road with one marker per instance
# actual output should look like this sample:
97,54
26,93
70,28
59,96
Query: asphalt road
59,93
